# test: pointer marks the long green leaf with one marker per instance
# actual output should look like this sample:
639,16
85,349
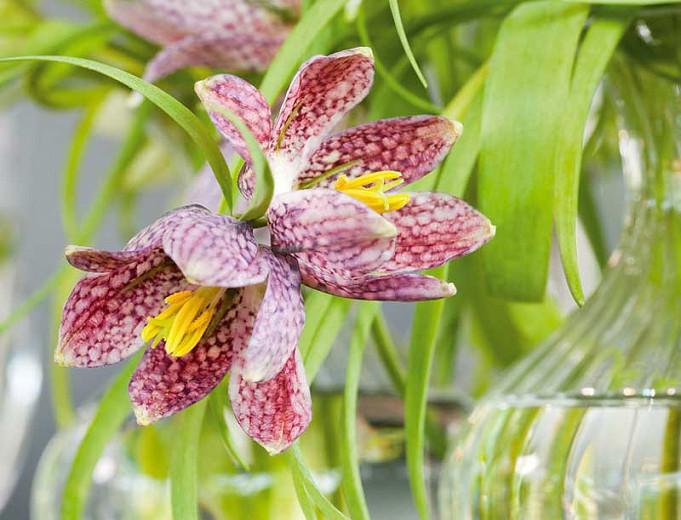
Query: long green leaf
264,183
595,51
217,401
304,499
322,503
390,80
352,480
314,20
184,467
74,157
421,352
525,93
397,19
316,343
113,409
167,103
453,178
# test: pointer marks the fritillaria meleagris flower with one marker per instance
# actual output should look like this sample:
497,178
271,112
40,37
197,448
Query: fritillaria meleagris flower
206,296
323,182
209,299
239,35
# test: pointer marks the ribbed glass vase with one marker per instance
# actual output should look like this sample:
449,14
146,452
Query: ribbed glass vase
589,425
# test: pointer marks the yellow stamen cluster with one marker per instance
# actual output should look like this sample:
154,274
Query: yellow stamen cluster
184,321
370,189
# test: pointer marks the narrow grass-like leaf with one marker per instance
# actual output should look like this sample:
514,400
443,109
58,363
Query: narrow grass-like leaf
73,160
316,345
322,503
399,27
291,53
316,305
167,103
523,108
388,353
352,480
594,54
390,80
92,220
421,351
304,500
452,178
457,169
264,183
217,401
112,411
184,468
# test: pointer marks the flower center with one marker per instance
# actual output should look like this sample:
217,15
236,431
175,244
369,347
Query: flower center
371,187
184,320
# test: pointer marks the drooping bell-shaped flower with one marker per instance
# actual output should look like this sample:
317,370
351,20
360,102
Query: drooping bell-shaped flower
241,35
207,298
356,172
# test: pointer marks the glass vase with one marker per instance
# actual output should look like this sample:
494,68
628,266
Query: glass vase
589,425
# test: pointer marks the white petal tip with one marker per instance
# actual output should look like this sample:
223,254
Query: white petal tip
253,373
276,449
366,51
458,127
73,249
452,289
385,228
142,416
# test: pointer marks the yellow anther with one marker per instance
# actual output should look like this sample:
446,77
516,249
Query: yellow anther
371,190
184,321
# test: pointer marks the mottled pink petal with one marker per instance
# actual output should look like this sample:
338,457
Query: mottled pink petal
105,313
279,323
361,256
101,261
322,92
163,384
323,219
244,100
391,287
155,20
275,412
152,235
166,21
234,52
433,229
413,146
215,250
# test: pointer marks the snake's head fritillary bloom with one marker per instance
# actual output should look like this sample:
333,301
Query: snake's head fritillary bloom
327,185
206,298
238,35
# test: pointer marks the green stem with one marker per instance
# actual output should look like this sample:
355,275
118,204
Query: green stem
112,411
352,480
387,351
74,159
184,462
